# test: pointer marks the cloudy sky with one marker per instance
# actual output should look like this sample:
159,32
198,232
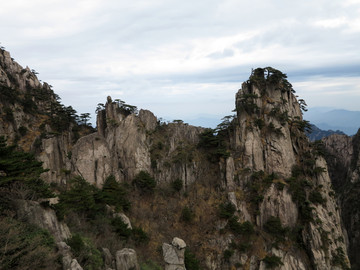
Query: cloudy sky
185,59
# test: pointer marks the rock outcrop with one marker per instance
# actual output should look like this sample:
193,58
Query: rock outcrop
45,218
272,158
252,194
68,262
174,254
342,155
126,259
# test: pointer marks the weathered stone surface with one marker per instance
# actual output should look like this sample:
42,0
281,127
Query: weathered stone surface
266,143
123,147
68,262
278,203
128,143
148,119
14,75
92,159
54,158
174,254
344,170
74,265
178,243
108,258
230,171
170,255
126,259
270,153
43,217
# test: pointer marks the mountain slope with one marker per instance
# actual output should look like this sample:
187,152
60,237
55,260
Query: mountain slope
252,194
343,159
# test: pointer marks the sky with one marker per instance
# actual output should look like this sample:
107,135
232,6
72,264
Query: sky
185,59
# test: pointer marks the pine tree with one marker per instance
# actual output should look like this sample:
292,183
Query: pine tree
21,167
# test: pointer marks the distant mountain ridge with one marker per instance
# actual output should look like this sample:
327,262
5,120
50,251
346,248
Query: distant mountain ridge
317,133
334,119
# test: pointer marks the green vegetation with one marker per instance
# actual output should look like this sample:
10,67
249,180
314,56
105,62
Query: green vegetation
9,95
187,215
301,125
226,210
264,77
183,154
139,236
21,168
177,185
316,198
214,144
84,198
124,108
144,182
114,193
260,182
283,117
25,246
22,130
339,259
85,252
80,198
274,227
227,254
272,129
150,265
191,262
297,188
247,102
43,101
156,153
245,228
272,261
259,123
9,116
121,228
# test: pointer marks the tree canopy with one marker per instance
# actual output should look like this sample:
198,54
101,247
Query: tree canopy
20,167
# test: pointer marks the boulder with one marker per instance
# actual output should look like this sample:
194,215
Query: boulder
126,259
108,258
174,254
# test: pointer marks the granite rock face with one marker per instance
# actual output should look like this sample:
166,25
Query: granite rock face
91,158
44,218
174,254
263,165
271,149
342,155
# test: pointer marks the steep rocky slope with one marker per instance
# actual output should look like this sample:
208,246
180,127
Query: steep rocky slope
270,138
33,118
343,159
252,194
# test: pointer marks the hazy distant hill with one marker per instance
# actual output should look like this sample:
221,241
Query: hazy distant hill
317,133
334,119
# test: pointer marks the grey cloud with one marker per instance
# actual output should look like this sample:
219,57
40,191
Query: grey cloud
222,54
76,61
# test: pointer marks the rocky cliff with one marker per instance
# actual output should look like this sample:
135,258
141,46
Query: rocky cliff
284,172
252,194
342,155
